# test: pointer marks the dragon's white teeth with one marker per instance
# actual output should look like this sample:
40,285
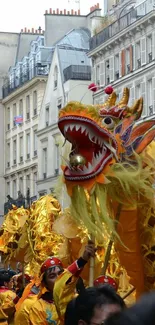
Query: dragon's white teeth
83,129
77,127
72,127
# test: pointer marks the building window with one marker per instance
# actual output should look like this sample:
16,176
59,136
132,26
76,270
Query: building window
127,61
44,163
28,146
149,48
14,189
35,184
8,119
21,187
107,72
59,103
47,116
138,55
27,182
27,107
55,77
21,107
98,75
14,114
35,103
7,188
21,149
137,91
57,159
150,97
8,155
116,65
35,143
14,152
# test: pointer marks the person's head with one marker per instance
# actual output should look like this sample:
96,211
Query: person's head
105,279
50,270
93,306
142,313
6,280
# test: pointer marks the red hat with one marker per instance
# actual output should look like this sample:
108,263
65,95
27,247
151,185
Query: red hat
104,279
50,262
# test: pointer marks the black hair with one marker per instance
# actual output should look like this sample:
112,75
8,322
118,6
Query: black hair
142,313
83,306
5,277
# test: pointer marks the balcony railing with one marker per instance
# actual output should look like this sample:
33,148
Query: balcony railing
123,22
38,70
77,72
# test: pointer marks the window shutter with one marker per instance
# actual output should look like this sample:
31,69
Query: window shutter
102,74
143,92
132,96
153,84
123,63
153,45
143,51
131,58
111,64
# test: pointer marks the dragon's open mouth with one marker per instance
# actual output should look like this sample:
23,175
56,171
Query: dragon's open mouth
90,142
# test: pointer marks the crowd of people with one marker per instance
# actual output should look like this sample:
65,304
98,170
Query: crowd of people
59,296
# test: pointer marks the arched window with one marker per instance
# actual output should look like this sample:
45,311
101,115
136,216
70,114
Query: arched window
55,77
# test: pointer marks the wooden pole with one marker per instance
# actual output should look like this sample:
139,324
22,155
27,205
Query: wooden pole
128,293
91,267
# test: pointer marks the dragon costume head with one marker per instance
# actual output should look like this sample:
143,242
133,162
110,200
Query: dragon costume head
109,177
101,135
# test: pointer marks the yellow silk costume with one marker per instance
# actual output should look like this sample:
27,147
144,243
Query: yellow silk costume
22,315
43,313
7,306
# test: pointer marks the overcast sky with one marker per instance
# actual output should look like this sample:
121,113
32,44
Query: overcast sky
17,14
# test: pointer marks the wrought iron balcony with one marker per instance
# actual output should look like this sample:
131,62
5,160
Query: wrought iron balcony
77,72
123,22
39,70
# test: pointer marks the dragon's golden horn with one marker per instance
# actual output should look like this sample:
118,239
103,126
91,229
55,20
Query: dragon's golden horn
137,108
110,101
124,101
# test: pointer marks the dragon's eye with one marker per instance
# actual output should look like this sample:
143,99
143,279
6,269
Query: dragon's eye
108,122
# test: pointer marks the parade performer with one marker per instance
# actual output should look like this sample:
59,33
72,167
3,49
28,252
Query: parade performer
7,297
109,176
52,301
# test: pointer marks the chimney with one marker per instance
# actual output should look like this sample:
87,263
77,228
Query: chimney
28,31
79,12
98,5
32,30
50,11
64,11
72,12
57,11
75,13
68,12
25,30
46,12
61,13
